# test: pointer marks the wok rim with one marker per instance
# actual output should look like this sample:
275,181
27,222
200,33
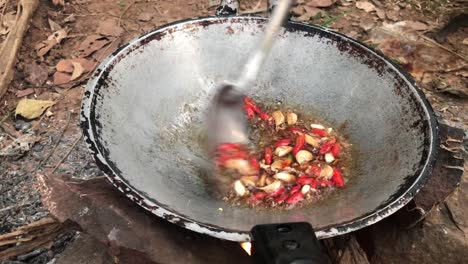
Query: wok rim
389,207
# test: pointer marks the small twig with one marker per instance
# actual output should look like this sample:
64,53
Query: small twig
55,147
13,207
68,153
443,47
454,167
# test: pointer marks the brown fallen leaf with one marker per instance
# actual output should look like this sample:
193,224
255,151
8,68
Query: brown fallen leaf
54,26
313,11
366,6
30,108
298,10
107,51
61,78
145,17
55,38
109,27
77,70
25,92
92,43
320,3
66,65
58,2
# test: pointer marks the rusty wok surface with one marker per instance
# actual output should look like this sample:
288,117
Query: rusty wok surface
144,110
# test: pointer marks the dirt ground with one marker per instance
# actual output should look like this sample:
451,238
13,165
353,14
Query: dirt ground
56,148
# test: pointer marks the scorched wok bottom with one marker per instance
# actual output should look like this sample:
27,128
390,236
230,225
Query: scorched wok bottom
143,116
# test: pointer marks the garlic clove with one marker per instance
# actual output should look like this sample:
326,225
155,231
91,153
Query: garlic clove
283,151
249,180
291,118
273,187
304,156
318,126
285,177
329,158
239,188
278,116
305,189
313,141
327,172
241,165
276,165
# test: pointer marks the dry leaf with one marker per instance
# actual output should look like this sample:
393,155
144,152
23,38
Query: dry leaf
91,44
366,6
298,10
66,65
77,71
145,17
107,51
25,92
58,35
109,27
313,11
320,3
465,41
43,47
30,108
54,26
61,78
58,2
55,38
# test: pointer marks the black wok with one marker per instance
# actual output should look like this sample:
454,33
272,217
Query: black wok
143,118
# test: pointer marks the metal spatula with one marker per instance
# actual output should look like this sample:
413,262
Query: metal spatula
227,122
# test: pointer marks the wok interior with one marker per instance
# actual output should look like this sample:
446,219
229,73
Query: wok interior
150,114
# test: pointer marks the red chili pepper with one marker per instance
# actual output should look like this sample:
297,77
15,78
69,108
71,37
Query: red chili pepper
295,198
335,150
324,183
296,130
300,143
295,189
283,142
258,196
249,111
264,116
306,181
268,155
337,178
320,132
278,192
249,102
325,148
314,170
254,163
229,147
282,198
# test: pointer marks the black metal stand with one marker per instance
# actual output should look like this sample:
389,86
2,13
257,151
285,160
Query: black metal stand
289,243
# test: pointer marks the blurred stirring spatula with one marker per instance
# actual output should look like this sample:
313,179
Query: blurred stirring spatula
227,122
